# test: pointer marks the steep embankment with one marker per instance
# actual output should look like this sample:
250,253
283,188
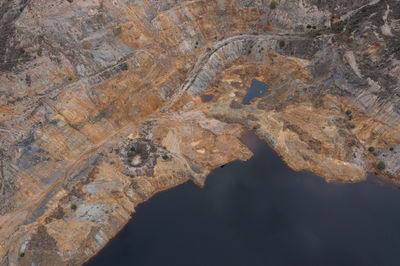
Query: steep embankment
100,106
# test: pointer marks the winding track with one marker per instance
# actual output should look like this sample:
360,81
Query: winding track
203,59
201,62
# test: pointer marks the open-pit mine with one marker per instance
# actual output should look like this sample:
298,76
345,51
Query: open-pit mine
104,103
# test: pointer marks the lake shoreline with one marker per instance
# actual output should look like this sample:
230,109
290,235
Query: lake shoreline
258,151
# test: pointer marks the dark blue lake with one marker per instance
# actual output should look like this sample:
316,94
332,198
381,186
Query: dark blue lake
257,89
262,213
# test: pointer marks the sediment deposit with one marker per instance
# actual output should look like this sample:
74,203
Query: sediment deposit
100,105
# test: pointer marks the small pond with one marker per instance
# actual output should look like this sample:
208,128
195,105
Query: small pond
257,89
206,97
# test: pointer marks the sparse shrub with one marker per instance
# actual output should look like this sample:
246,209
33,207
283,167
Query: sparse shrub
371,149
249,52
317,33
69,78
164,147
73,206
353,126
308,26
282,43
272,5
391,148
355,22
338,27
381,165
314,27
22,254
349,114
165,157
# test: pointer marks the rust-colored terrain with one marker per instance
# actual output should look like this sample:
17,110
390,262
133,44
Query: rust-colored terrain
101,107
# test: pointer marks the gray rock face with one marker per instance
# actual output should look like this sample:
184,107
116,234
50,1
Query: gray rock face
139,157
13,49
84,76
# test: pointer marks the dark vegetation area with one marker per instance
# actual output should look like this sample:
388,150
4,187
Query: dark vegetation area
381,165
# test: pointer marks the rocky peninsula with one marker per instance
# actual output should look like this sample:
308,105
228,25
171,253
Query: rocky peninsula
101,105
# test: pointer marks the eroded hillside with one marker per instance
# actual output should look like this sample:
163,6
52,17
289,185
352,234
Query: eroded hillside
100,104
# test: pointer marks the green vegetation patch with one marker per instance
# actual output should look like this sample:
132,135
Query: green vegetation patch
371,149
349,114
281,43
73,206
381,165
273,5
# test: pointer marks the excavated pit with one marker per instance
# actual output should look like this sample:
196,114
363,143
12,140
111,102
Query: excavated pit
83,77
139,157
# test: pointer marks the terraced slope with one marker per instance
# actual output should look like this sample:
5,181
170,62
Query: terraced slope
100,104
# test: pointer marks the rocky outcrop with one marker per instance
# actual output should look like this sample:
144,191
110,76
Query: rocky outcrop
100,105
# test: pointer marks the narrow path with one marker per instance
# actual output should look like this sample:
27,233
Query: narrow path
201,62
203,59
352,12
52,188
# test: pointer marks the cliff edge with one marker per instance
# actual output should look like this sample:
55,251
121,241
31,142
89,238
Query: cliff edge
104,103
